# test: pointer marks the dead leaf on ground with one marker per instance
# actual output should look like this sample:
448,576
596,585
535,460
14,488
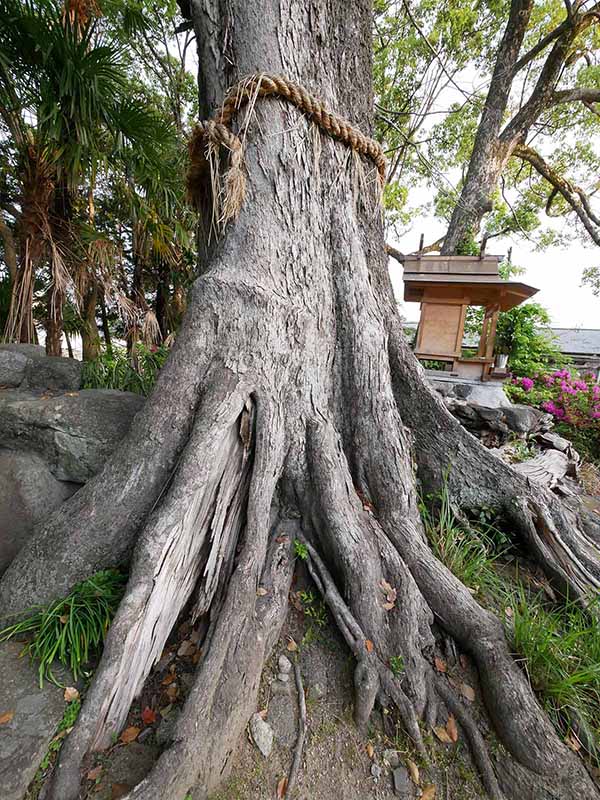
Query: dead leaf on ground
172,692
164,712
263,713
118,790
186,648
261,591
282,788
129,734
184,628
452,729
413,771
95,773
464,661
281,539
6,717
467,691
71,694
64,619
440,664
428,792
369,645
370,750
291,644
169,679
148,716
442,734
573,742
508,611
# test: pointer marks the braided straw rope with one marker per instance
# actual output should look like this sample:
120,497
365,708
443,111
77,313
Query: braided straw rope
208,137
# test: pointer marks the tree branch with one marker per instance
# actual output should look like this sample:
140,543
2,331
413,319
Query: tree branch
573,195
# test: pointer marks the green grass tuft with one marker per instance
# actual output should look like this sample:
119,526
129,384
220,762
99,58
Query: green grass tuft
70,630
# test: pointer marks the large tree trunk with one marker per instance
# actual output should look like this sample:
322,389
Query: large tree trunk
288,410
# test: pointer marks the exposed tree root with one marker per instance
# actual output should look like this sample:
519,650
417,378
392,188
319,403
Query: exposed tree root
302,723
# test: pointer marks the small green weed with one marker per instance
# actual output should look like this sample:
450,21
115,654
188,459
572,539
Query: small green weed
68,720
300,549
72,629
313,608
397,666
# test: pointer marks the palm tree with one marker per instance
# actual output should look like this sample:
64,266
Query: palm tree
66,103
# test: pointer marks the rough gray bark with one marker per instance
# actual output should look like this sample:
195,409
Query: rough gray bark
289,409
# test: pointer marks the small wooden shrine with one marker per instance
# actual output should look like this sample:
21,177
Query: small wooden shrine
446,286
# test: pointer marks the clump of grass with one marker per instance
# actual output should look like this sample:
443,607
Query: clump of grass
313,608
70,630
561,651
128,373
468,550
558,645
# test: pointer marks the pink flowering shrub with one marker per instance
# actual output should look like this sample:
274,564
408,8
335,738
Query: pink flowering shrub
572,399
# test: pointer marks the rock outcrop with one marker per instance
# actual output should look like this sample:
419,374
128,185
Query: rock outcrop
54,437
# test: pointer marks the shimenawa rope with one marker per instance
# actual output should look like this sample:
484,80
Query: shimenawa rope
209,136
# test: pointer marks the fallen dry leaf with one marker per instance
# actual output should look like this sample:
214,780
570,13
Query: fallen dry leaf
440,664
6,717
169,679
281,539
370,750
263,713
508,611
369,645
291,644
64,619
129,734
118,790
428,792
95,773
467,691
388,606
413,770
71,694
164,712
464,661
148,716
573,742
172,692
261,591
186,648
184,628
442,734
282,788
196,657
452,729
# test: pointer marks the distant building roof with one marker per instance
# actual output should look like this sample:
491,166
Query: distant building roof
572,341
578,341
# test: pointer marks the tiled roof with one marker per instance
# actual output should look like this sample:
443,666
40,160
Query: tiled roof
573,341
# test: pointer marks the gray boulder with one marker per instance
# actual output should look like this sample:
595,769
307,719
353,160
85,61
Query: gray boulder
28,493
74,433
28,366
12,367
36,712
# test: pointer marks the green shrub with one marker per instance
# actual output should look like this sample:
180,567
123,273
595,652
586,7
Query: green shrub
129,373
70,630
